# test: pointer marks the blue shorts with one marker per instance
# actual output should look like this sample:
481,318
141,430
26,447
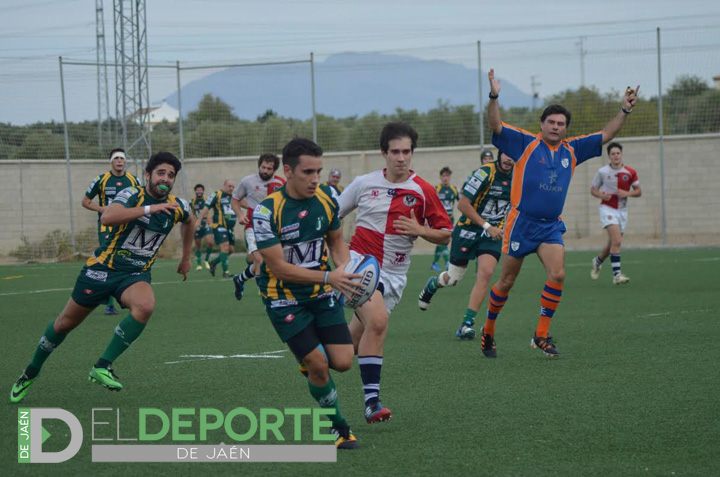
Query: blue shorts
523,235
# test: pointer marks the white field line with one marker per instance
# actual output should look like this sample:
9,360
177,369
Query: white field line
683,312
205,357
48,290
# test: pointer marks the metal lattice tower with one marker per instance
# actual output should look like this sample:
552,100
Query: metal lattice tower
103,100
132,95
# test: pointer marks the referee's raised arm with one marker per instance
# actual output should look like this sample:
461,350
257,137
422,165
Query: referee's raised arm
494,119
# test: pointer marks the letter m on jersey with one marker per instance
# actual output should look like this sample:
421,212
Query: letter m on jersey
143,242
304,254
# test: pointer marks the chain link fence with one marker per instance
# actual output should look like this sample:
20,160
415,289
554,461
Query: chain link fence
208,112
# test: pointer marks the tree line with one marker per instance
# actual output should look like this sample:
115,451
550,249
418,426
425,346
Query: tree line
212,130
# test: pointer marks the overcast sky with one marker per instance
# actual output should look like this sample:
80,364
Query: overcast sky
521,39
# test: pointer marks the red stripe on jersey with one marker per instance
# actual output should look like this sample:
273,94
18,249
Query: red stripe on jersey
402,202
368,242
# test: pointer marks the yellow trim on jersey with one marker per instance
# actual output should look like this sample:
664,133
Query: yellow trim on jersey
490,179
103,183
325,200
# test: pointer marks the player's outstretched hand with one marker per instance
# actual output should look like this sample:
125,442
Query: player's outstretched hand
630,98
343,282
494,83
184,267
166,207
409,225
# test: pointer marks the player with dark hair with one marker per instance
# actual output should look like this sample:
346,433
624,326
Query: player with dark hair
295,227
613,184
201,229
250,191
106,186
484,203
544,165
448,195
395,207
141,219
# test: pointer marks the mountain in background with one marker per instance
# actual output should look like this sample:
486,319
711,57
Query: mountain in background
346,84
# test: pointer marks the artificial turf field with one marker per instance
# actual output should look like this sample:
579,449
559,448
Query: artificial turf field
634,393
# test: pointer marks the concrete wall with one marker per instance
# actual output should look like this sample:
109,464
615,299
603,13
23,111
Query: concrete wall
34,194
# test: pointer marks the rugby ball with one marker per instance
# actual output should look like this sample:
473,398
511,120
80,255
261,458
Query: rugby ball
369,268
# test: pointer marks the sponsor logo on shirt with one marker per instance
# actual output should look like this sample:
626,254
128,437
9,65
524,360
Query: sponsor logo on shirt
144,218
409,200
290,235
374,193
282,303
96,275
289,318
291,227
391,192
261,212
143,242
399,258
466,234
303,214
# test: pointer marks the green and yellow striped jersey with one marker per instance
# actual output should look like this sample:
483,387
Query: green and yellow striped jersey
107,186
299,227
221,212
133,247
489,192
448,196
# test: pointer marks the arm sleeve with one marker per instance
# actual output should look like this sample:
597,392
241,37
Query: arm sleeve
512,141
94,188
597,181
239,193
128,197
634,179
475,183
210,202
348,200
264,228
586,147
435,213
185,211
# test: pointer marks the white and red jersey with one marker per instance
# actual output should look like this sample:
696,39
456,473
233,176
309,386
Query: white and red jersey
380,203
610,181
254,189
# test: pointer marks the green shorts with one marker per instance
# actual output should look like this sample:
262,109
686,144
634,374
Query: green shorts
471,241
202,231
220,235
97,283
231,237
291,320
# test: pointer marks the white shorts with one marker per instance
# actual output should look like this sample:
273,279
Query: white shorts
612,216
393,286
250,240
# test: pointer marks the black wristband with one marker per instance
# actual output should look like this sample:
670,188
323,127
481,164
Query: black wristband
493,96
626,111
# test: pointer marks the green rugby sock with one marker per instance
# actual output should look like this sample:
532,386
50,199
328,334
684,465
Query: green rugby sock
226,263
208,252
50,340
198,257
326,396
222,257
438,254
470,316
111,301
125,333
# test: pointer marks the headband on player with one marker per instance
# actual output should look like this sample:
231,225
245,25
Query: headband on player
336,172
117,154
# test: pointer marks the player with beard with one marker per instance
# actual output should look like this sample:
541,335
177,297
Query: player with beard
250,191
484,203
141,219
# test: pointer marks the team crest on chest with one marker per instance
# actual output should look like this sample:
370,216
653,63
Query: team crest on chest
565,162
409,200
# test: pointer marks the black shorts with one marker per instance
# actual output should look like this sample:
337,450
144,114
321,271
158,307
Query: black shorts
312,336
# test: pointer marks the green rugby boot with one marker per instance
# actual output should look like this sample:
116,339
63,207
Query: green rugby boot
105,377
21,387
